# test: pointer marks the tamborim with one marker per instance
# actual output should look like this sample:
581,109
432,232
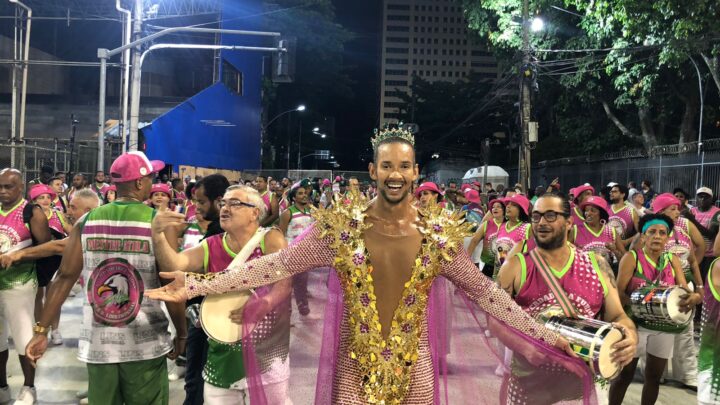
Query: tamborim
592,340
215,315
658,308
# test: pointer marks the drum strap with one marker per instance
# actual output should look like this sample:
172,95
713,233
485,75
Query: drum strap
553,284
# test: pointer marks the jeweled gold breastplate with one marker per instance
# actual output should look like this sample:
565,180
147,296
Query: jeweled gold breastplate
386,364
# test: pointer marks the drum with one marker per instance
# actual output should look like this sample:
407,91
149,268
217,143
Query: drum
592,340
658,308
215,315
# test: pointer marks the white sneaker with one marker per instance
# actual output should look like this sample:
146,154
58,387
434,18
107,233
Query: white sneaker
27,395
56,337
5,394
176,373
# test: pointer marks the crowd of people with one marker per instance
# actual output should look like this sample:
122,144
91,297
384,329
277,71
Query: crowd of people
131,241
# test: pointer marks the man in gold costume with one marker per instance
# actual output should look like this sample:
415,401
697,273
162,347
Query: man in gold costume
385,255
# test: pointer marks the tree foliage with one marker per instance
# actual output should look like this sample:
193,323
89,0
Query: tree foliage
636,68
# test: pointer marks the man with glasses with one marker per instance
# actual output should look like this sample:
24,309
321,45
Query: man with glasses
241,211
586,278
623,216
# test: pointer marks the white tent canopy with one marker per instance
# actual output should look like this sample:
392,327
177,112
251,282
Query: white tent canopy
495,175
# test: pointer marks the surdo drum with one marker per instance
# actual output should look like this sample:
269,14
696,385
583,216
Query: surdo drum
658,308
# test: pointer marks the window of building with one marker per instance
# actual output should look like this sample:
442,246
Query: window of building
391,115
398,39
483,64
398,18
399,7
434,63
435,73
481,53
393,61
442,73
397,50
397,28
422,62
394,104
396,82
444,63
435,40
435,51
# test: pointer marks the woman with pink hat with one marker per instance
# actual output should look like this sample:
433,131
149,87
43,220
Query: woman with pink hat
160,196
594,235
686,243
44,196
110,194
428,192
580,194
487,233
516,229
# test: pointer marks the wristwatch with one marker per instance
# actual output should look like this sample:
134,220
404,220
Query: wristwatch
39,329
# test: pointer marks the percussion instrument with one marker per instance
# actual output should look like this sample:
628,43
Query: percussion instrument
215,315
658,308
592,340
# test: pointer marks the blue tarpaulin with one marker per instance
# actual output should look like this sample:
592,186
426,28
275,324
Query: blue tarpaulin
218,128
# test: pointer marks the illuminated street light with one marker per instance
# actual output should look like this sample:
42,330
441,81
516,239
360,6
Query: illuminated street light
301,107
537,24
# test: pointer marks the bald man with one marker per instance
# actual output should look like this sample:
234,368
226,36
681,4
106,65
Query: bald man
21,225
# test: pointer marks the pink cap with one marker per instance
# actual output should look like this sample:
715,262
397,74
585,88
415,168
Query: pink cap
338,179
465,186
596,201
664,201
160,188
581,189
109,188
428,185
472,195
521,201
132,166
40,189
326,182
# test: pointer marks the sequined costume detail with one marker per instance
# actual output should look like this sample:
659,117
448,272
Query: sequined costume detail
371,369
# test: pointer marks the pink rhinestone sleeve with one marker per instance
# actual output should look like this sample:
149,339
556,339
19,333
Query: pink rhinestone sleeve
493,299
308,252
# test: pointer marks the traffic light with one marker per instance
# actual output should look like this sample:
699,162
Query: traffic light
284,60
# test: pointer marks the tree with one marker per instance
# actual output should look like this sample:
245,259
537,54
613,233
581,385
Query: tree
636,70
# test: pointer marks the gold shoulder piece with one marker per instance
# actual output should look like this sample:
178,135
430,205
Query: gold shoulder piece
345,219
446,230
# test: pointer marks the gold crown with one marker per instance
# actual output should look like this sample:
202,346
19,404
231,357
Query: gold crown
387,133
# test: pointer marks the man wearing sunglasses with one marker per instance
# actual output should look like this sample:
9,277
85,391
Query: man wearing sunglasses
585,277
242,209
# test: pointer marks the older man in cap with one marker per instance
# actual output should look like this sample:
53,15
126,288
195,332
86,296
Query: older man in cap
124,338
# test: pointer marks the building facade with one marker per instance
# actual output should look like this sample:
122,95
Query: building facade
428,39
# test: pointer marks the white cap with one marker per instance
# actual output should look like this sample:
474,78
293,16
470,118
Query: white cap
705,190
612,184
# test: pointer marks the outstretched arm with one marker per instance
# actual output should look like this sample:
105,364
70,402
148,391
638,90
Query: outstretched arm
308,252
492,299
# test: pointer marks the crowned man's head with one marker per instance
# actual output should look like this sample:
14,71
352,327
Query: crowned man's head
393,167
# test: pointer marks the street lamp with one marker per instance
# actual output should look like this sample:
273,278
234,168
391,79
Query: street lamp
537,24
299,158
299,108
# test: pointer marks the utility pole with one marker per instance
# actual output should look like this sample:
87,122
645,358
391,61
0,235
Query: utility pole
136,83
524,160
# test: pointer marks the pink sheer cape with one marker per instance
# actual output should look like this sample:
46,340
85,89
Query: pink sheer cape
465,353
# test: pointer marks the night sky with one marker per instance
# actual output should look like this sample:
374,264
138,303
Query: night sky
355,123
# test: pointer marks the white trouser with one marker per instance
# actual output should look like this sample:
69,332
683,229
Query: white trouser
275,394
17,307
684,360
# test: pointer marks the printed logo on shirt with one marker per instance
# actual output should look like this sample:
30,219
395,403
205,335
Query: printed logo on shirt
118,245
617,224
115,290
8,238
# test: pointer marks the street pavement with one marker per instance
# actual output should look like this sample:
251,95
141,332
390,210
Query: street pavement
60,375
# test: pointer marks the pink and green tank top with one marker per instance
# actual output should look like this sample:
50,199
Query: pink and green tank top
15,235
577,215
709,353
680,244
591,241
192,236
491,228
507,238
119,324
622,220
299,221
649,272
581,279
56,222
705,219
224,365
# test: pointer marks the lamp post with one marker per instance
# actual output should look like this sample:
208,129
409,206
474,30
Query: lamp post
299,108
315,131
